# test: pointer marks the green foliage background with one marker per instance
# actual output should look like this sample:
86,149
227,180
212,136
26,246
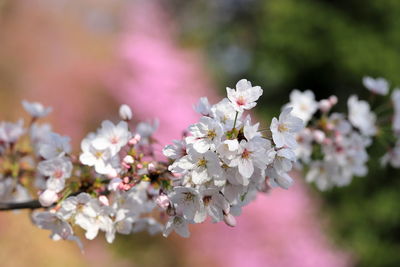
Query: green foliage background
326,46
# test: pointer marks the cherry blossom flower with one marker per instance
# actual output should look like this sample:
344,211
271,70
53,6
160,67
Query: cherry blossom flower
177,224
188,202
202,167
378,86
113,137
283,130
205,135
203,107
11,132
35,109
54,145
303,104
244,96
361,116
96,153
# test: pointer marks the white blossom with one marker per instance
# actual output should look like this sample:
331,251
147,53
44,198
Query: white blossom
378,86
54,145
60,229
284,129
113,136
206,134
203,107
303,104
188,202
177,224
96,153
36,109
244,96
361,116
176,150
11,132
214,205
202,167
225,113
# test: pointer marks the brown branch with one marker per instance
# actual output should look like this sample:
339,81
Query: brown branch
33,204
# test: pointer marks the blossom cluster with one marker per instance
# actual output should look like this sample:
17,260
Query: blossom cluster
333,146
117,184
225,160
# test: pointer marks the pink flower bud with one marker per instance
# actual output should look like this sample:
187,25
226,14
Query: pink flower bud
229,220
319,136
151,167
333,99
126,166
104,200
330,126
128,159
125,112
48,197
126,180
325,105
139,166
134,140
162,201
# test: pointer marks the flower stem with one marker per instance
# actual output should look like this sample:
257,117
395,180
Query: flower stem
234,123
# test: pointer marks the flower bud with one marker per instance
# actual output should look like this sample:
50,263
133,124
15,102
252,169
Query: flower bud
134,140
229,220
125,112
333,99
319,136
151,167
128,159
330,126
104,200
162,201
48,197
325,105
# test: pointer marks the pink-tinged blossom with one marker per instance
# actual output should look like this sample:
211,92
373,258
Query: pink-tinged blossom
244,96
114,137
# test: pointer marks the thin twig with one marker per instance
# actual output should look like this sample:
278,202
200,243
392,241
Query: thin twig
33,204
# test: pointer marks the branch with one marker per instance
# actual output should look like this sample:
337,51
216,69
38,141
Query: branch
33,204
